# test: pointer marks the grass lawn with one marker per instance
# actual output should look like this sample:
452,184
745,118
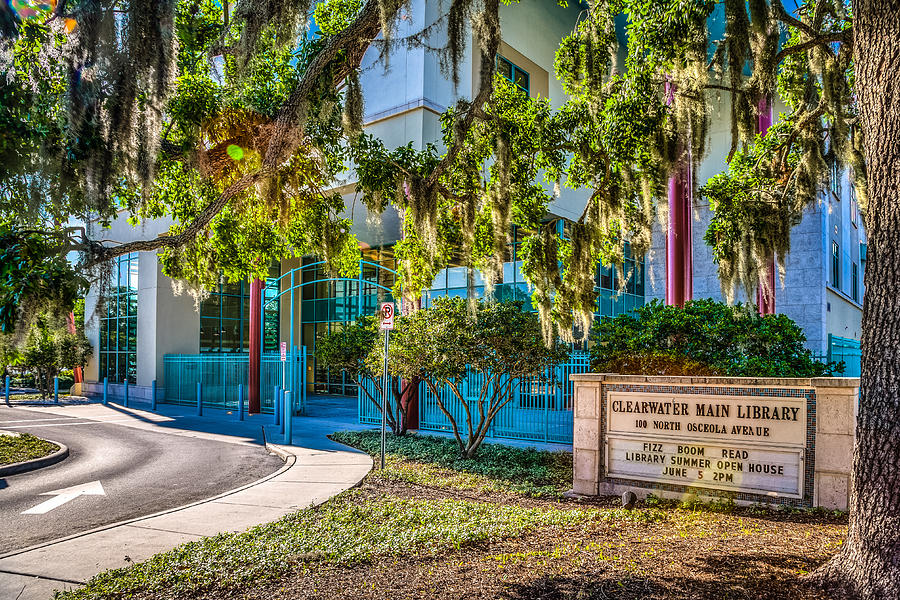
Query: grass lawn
18,448
433,526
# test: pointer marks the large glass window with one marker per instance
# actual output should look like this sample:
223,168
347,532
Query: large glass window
854,282
118,325
611,300
328,304
616,298
225,318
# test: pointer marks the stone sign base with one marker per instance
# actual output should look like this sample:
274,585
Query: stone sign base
754,440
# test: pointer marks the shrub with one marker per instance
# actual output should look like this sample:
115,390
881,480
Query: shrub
495,343
348,350
704,338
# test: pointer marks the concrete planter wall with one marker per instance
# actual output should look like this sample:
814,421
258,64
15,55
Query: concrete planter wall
808,428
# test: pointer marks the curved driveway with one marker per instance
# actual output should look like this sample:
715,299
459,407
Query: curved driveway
141,471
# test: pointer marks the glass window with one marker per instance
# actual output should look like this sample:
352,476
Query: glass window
515,74
118,329
835,265
836,181
225,317
854,282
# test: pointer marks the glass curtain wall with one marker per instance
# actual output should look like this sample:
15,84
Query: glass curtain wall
118,326
225,318
327,305
611,299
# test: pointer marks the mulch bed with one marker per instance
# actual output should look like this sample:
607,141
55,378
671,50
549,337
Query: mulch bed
690,555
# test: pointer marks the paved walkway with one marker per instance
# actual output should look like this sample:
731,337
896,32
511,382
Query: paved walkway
315,469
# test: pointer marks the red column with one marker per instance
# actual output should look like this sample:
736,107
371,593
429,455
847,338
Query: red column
255,344
765,299
70,327
679,245
765,294
679,242
410,387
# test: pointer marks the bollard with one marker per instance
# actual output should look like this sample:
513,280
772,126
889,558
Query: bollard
125,404
153,395
8,399
288,430
199,399
56,390
240,402
276,413
281,409
105,391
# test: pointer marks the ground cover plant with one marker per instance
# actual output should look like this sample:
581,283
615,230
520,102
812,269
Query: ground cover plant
429,458
704,337
465,534
18,448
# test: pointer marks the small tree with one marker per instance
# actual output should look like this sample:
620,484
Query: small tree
9,355
496,344
49,348
349,350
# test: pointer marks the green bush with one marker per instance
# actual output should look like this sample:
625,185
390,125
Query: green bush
704,338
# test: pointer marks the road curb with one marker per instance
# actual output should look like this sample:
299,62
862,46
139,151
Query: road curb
279,451
36,463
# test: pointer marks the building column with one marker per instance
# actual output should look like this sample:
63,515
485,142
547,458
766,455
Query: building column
765,299
679,241
256,287
765,294
679,245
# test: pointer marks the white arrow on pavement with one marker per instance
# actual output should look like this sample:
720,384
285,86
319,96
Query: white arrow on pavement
62,496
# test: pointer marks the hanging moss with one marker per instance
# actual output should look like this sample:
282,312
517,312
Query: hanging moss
286,18
353,106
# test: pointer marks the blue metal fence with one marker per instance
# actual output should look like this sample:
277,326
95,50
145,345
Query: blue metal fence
540,411
220,375
847,350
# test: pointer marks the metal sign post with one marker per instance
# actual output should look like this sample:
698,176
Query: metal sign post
387,324
283,365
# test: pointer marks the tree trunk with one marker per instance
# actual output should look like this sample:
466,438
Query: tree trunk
868,565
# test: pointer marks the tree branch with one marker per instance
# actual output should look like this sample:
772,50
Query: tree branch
104,253
822,40
785,17
354,41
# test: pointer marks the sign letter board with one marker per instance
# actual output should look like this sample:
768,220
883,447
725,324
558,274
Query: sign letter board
737,443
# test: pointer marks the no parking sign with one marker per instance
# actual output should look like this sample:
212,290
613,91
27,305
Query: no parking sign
387,316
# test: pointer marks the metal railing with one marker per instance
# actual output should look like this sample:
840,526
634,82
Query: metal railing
540,411
221,374
847,350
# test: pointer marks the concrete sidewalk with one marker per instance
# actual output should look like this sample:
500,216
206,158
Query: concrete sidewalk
315,469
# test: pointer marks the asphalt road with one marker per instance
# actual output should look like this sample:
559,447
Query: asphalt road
141,472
